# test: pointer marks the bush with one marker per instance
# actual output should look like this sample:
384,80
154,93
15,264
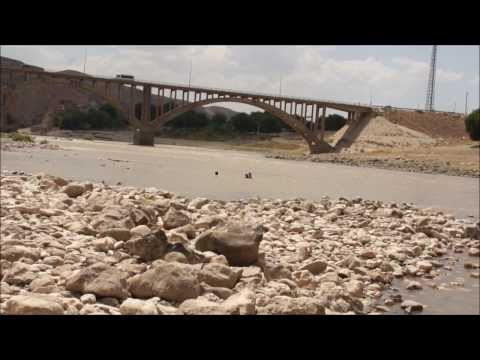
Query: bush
472,125
188,120
16,136
267,122
105,117
109,109
218,121
334,122
243,123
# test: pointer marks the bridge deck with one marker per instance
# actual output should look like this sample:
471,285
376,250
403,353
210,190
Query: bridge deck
343,106
338,105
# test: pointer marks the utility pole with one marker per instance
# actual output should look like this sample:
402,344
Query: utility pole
370,96
85,61
466,103
280,90
430,101
190,74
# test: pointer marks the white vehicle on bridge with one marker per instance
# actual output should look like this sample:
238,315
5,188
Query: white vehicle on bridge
124,76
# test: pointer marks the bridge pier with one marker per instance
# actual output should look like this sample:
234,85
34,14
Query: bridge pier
143,137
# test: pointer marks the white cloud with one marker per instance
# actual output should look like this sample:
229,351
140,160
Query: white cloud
309,71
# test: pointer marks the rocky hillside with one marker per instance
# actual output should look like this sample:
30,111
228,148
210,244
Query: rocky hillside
434,124
212,110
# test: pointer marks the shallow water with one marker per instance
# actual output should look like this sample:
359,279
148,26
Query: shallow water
190,171
447,299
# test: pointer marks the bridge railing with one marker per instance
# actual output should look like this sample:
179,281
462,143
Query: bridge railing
215,89
250,93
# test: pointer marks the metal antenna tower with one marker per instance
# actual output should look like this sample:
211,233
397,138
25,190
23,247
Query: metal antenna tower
431,81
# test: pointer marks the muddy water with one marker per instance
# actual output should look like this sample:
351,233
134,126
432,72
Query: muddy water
190,172
455,292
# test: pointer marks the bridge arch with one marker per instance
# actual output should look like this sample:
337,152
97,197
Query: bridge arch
314,143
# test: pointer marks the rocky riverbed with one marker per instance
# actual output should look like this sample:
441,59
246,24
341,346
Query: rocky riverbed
10,145
395,163
84,248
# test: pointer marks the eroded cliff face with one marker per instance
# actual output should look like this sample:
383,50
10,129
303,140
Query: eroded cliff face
27,103
32,102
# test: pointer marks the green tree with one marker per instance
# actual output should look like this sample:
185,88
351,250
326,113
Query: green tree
243,123
472,125
334,122
105,117
189,120
269,123
72,119
110,110
218,121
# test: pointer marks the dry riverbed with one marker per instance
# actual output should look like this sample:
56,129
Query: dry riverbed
85,248
456,160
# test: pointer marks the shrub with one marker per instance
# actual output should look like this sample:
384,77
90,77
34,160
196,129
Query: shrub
109,109
243,123
189,120
267,122
472,125
334,122
218,121
105,117
16,136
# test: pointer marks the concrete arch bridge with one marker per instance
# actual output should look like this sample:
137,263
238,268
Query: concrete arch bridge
305,116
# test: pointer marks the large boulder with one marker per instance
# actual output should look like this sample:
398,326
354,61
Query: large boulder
238,242
14,253
285,305
80,227
118,233
44,284
138,307
315,267
74,190
274,271
219,275
197,203
140,230
176,257
200,306
99,279
151,306
222,293
175,218
143,215
149,247
171,281
104,244
114,216
19,274
242,303
33,305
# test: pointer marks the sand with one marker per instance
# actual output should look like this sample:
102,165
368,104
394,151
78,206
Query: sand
378,132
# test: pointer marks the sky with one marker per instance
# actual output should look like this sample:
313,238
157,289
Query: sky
382,75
